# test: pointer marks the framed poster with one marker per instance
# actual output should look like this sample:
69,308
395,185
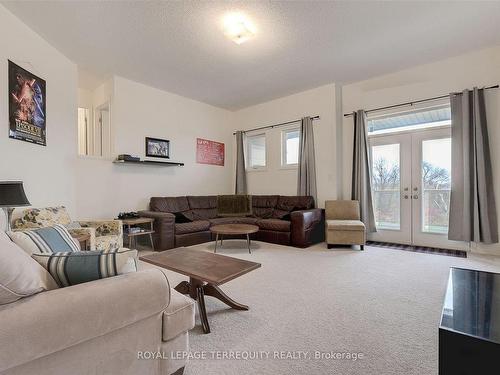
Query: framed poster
157,148
27,120
209,152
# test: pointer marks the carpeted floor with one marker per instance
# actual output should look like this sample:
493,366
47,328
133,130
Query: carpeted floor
382,303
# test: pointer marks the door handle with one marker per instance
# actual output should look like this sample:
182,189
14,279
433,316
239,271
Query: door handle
415,196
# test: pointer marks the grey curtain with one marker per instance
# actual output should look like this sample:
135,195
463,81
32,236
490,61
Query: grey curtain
361,176
473,215
306,181
241,174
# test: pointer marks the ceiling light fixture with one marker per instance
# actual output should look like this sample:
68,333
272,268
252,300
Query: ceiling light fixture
238,28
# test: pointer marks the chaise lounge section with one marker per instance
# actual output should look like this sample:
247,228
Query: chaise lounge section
284,220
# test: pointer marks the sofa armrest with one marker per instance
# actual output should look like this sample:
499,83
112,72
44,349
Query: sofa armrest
307,227
164,227
51,321
104,227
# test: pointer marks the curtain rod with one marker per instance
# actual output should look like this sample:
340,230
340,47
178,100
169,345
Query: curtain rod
278,125
416,102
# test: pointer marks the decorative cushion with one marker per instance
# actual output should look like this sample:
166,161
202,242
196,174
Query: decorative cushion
41,217
45,240
20,276
276,225
195,226
181,218
71,268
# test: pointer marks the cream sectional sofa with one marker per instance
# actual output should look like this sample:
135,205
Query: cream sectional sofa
128,324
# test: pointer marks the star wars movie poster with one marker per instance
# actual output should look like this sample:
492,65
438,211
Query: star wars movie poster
26,106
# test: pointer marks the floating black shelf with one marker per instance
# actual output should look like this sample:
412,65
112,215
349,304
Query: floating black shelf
150,162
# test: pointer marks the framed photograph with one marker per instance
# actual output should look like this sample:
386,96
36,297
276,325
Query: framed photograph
157,148
27,116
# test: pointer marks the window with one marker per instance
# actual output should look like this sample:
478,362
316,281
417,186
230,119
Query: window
428,117
290,147
256,151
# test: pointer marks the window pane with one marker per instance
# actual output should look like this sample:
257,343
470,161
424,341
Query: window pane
257,151
386,186
426,118
436,184
292,147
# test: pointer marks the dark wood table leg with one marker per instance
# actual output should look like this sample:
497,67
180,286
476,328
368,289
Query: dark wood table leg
216,240
183,287
197,290
202,310
216,292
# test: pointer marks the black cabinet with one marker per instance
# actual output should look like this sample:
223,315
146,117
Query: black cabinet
469,333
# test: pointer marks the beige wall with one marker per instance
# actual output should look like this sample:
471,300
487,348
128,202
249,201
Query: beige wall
480,68
275,180
48,172
139,111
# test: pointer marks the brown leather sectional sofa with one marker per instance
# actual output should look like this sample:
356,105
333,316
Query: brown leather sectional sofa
285,220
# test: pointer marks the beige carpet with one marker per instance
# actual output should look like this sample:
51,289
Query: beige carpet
383,303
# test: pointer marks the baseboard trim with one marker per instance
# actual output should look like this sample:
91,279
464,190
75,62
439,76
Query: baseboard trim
419,249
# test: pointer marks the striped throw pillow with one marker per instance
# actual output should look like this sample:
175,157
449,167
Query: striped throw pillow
46,240
71,268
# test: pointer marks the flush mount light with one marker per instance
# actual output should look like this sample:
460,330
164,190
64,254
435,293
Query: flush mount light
238,28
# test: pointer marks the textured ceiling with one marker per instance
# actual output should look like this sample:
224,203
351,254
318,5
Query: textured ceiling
180,46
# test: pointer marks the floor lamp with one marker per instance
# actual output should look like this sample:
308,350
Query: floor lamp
12,195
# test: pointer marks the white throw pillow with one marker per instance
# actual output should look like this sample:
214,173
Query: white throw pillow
46,240
20,275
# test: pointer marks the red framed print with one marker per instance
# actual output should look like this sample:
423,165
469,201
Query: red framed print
209,152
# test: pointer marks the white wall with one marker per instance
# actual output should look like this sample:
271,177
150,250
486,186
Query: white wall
139,111
48,172
275,180
480,68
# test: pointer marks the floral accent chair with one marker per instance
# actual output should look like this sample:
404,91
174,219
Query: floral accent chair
104,234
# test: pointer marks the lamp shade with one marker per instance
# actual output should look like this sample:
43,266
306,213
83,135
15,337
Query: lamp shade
12,194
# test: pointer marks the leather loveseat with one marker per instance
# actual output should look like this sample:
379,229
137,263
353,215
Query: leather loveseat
285,220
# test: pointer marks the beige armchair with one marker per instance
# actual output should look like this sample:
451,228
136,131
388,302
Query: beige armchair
104,234
343,224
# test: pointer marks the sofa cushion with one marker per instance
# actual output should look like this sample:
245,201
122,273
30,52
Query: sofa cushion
247,220
169,204
178,317
203,207
20,276
274,224
195,226
224,220
181,217
73,268
264,205
42,217
45,240
355,225
287,204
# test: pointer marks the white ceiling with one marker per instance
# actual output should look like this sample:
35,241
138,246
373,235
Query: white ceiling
180,46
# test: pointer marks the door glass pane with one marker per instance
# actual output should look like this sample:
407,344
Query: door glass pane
386,186
436,183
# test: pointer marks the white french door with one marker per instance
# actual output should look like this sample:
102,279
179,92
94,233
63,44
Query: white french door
411,187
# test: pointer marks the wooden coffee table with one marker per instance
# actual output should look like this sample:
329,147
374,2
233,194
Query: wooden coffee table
233,229
206,272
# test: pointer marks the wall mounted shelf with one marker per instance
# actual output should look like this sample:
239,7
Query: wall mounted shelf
150,162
